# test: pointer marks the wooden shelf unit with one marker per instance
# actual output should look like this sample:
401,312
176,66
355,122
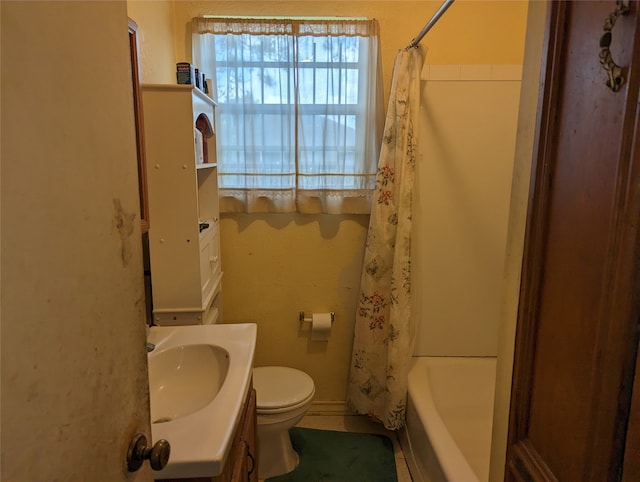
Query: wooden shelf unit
183,199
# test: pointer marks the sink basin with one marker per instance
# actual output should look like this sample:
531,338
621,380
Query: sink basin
185,379
199,378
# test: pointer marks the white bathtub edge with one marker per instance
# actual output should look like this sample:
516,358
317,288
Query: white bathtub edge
453,464
409,456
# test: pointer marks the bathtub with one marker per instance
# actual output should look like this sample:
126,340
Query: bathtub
447,436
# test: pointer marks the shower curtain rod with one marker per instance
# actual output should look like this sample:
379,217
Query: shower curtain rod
430,23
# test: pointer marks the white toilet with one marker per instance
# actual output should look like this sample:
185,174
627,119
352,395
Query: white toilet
283,396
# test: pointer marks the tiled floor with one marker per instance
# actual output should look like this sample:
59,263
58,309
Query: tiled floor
359,423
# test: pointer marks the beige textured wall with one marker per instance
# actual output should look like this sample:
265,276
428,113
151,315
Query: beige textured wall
278,265
156,38
470,32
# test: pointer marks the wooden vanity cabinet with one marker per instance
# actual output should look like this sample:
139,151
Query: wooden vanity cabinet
243,460
242,464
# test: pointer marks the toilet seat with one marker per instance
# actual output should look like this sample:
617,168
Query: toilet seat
281,389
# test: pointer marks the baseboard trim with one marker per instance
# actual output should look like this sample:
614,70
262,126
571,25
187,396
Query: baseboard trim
329,407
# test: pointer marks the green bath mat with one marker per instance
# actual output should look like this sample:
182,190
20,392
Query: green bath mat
330,456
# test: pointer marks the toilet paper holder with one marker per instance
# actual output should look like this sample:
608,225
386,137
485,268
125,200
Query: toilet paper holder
308,319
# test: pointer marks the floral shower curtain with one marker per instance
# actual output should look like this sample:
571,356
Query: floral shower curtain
384,331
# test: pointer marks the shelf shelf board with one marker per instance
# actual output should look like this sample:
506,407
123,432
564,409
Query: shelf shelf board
207,165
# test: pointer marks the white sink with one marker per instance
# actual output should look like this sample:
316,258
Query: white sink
185,379
198,382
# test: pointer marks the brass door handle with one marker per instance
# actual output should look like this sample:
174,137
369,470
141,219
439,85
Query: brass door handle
614,71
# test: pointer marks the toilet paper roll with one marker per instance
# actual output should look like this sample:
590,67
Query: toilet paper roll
320,326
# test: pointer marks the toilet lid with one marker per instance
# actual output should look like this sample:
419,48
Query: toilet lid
278,387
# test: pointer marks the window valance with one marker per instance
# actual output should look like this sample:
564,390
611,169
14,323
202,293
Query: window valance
280,26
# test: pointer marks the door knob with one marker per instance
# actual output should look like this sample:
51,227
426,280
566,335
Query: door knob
138,452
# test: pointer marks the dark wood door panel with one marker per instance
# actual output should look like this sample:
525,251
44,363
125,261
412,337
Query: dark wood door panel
579,231
577,334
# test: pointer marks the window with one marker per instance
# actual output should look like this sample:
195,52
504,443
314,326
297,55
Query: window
299,111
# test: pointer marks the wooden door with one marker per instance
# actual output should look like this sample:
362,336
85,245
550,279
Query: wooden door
577,336
74,365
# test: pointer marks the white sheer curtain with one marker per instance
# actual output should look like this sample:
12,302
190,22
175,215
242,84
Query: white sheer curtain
300,112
